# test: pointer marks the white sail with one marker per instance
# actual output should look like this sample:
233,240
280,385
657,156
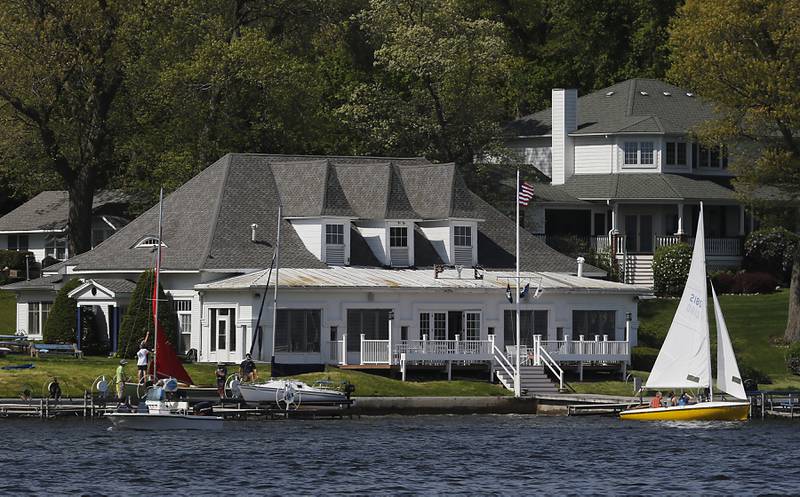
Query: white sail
728,378
685,358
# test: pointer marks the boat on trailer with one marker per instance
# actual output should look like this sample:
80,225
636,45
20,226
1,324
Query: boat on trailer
161,414
684,361
290,392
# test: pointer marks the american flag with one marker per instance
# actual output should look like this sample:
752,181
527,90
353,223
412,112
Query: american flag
524,193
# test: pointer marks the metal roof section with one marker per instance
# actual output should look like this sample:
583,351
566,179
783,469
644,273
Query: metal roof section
410,279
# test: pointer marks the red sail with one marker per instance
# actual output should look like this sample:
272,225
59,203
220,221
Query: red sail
169,366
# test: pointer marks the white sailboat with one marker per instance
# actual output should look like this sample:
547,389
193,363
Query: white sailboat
684,361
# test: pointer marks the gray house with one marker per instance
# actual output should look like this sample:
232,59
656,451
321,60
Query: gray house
626,175
384,262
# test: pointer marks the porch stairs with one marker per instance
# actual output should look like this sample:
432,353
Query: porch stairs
639,269
533,379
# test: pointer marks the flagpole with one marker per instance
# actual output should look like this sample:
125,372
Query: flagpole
517,379
155,287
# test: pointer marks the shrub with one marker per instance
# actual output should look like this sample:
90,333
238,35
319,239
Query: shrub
49,261
793,358
60,325
93,340
753,376
755,282
724,281
643,358
138,319
770,250
670,269
14,260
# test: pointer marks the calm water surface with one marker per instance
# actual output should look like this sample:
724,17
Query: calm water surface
498,455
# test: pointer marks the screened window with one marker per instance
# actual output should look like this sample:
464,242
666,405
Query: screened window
532,323
37,316
298,330
334,234
591,323
373,323
681,154
646,152
398,236
462,236
55,247
424,324
18,242
223,329
631,153
183,308
676,154
670,153
440,326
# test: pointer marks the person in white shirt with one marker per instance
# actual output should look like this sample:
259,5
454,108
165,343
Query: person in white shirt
141,360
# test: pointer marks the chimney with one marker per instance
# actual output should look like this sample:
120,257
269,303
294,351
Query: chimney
564,121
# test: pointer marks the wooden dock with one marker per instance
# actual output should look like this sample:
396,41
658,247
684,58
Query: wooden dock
597,409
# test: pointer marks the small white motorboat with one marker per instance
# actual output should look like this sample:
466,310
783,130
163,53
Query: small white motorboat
290,393
163,414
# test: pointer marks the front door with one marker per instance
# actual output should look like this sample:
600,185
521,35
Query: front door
223,341
639,233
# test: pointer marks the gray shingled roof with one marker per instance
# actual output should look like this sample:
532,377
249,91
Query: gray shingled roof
49,210
626,110
43,283
635,186
207,220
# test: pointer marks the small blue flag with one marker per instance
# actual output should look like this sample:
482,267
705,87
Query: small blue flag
524,292
508,293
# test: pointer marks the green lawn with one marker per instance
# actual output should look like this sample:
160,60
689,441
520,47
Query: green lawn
754,321
8,313
75,375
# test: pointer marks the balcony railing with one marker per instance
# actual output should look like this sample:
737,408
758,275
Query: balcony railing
725,247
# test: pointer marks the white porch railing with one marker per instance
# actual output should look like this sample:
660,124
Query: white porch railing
600,349
726,247
602,243
337,351
374,351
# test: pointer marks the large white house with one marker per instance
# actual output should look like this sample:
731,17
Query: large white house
384,262
621,161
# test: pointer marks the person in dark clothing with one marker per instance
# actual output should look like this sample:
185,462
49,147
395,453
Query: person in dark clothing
248,369
221,375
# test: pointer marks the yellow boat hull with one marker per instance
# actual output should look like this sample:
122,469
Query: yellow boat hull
706,411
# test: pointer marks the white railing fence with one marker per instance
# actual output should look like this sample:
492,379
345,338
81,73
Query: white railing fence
374,351
592,349
439,347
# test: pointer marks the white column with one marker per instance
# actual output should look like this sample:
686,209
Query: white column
615,218
741,220
680,219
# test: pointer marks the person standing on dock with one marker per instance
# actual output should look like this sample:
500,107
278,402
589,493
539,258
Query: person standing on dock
120,377
141,360
222,375
248,369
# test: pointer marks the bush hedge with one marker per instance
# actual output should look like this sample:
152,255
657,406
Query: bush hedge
60,325
643,358
670,269
138,319
12,259
744,282
770,250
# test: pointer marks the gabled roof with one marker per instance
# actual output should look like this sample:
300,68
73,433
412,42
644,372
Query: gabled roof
207,220
632,106
49,211
635,186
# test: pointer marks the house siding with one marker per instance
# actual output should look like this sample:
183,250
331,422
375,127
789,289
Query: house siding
594,155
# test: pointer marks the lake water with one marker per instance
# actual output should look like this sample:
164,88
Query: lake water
457,455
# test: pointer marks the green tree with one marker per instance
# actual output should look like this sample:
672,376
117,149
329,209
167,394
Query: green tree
60,75
441,84
743,56
138,319
60,325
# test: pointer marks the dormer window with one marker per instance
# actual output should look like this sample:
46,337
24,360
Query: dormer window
149,242
334,244
462,245
398,246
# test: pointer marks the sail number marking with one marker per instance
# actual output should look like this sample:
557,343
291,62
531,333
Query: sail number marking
696,300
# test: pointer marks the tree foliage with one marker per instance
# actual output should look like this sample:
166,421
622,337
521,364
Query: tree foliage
138,319
742,55
60,325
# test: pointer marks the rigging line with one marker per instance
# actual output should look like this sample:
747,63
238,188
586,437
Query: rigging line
257,330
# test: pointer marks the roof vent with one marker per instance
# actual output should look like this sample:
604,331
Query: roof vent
149,242
667,94
689,94
609,93
644,93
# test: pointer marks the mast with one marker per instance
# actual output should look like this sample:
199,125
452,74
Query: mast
277,256
705,296
155,286
517,378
